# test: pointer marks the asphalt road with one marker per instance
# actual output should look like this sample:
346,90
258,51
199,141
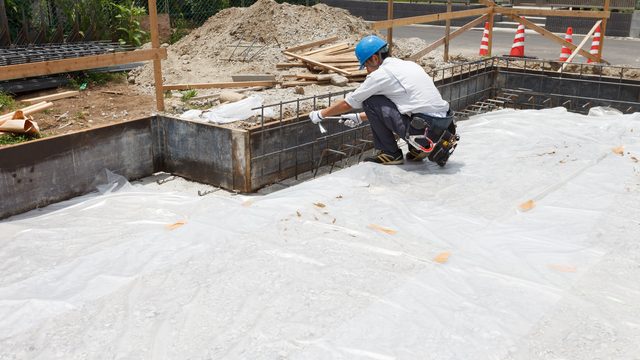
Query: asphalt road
618,51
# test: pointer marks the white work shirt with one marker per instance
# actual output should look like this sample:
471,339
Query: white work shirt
406,84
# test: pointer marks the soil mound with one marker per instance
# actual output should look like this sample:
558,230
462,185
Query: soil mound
250,40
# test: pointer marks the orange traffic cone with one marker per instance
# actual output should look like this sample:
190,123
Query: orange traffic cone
566,52
484,43
595,43
517,49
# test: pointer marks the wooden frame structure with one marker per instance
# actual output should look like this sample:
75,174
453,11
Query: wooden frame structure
487,14
155,54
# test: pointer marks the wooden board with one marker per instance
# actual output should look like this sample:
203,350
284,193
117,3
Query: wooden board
311,44
253,77
219,85
317,63
429,18
452,35
328,49
58,96
20,71
334,59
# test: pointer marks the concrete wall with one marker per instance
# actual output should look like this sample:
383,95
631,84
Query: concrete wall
635,24
202,152
50,170
580,93
619,24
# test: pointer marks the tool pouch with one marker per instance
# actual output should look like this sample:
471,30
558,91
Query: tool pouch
440,131
444,148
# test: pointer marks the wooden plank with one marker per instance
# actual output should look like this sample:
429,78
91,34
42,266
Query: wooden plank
428,18
447,33
348,50
347,64
58,96
584,41
253,77
157,62
29,110
219,85
549,35
543,12
317,63
490,36
453,35
603,30
334,59
311,44
20,71
327,49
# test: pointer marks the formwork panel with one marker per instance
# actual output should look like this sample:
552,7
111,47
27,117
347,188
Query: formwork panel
198,151
50,170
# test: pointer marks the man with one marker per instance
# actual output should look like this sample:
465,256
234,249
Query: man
395,94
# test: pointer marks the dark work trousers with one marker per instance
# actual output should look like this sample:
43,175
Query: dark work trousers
385,120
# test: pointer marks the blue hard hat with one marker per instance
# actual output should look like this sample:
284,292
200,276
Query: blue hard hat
367,47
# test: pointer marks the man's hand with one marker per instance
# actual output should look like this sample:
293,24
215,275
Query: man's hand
351,120
315,117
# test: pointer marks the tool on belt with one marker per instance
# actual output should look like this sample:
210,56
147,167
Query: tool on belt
438,138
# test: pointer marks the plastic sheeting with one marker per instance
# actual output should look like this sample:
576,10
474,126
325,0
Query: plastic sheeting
231,112
370,262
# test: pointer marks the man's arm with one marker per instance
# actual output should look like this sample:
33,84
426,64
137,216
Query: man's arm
338,108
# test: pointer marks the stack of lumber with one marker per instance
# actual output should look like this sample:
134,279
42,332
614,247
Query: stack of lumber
323,57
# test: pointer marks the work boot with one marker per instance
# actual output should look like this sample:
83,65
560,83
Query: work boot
386,159
415,154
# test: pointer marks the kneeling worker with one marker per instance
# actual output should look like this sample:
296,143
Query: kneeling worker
398,97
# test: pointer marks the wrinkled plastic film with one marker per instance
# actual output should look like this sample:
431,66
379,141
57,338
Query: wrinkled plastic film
522,245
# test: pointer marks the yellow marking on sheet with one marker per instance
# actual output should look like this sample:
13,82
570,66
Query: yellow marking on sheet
563,268
382,229
618,150
527,205
442,257
176,225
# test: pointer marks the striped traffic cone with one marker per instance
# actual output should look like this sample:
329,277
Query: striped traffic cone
484,43
566,52
517,49
595,44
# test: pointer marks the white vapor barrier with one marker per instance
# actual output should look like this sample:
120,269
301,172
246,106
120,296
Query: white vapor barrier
525,246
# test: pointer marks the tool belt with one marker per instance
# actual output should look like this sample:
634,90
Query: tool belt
433,135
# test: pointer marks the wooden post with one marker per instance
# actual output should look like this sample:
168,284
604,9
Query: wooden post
490,45
446,33
603,29
390,29
157,63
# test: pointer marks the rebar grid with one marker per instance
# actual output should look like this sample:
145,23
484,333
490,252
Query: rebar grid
464,85
36,53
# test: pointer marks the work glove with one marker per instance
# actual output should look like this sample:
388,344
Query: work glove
315,117
351,120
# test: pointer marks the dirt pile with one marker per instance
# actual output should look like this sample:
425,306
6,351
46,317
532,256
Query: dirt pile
215,51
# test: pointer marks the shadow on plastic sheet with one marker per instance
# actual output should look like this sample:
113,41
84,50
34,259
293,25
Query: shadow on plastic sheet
425,167
105,182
